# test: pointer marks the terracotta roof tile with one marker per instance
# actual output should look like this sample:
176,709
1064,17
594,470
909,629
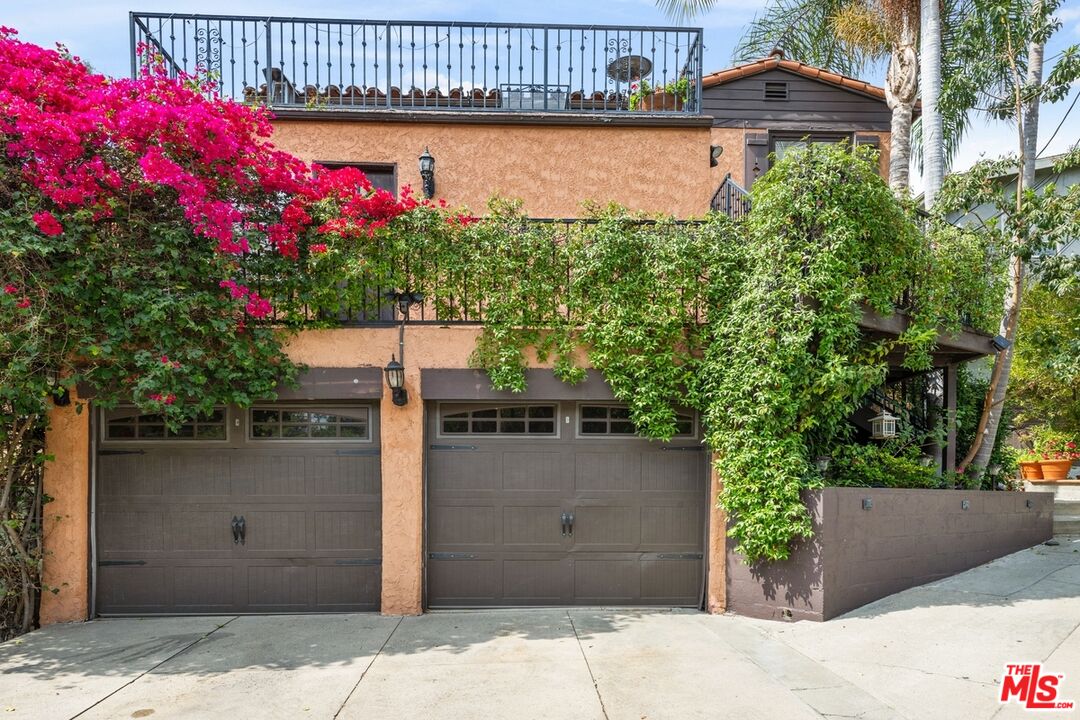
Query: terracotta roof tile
777,62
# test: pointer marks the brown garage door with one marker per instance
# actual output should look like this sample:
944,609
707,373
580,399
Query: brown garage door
273,509
561,504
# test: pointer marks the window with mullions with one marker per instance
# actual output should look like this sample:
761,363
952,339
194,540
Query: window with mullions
510,420
615,420
310,424
125,424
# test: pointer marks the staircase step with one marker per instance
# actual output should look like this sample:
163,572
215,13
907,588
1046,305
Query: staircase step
1069,525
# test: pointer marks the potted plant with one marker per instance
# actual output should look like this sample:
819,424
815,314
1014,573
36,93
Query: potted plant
1057,452
1029,466
669,97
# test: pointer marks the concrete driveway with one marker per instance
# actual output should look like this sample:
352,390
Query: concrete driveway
936,651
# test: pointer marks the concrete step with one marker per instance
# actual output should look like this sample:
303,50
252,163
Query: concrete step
1067,507
1066,524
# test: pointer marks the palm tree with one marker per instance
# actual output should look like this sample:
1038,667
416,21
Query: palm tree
844,36
933,154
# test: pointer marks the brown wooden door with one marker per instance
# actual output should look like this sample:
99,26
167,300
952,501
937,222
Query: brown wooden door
566,517
310,506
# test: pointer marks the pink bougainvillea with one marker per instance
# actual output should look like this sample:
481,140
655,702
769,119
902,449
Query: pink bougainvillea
47,224
86,141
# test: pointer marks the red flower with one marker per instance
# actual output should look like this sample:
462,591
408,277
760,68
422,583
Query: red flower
318,248
23,304
170,399
155,397
164,359
47,224
10,289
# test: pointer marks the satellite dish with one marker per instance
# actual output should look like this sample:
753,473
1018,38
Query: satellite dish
628,68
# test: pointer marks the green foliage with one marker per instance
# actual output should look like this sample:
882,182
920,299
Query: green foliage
971,389
1045,382
891,465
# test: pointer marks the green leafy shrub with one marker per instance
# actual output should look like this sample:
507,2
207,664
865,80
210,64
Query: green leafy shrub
891,465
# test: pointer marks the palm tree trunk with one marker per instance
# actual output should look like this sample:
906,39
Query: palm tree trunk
986,433
901,90
932,132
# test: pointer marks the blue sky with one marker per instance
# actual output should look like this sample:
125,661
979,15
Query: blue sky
97,31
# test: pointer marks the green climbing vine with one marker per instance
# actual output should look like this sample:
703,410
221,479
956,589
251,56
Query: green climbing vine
756,324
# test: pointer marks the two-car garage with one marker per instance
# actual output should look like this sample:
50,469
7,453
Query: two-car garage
278,508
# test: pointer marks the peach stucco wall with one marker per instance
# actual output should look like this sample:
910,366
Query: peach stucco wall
402,438
66,565
552,169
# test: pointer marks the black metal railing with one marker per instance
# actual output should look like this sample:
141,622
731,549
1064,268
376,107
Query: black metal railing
365,64
732,199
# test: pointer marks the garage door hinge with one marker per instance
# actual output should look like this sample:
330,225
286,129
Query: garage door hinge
681,556
451,556
453,447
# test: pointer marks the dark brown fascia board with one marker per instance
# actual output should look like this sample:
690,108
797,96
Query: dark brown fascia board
438,117
467,385
967,343
788,125
320,383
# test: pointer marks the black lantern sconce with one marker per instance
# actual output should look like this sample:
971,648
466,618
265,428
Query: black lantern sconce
427,173
61,396
395,370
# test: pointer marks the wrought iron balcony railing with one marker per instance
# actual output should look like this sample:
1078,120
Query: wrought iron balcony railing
369,65
732,199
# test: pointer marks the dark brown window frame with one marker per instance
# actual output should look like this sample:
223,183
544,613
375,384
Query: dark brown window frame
581,420
367,423
108,422
390,167
448,411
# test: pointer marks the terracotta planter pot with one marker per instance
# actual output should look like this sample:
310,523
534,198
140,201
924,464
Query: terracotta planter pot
1055,469
661,102
1031,470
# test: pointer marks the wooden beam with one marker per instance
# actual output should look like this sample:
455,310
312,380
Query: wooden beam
950,419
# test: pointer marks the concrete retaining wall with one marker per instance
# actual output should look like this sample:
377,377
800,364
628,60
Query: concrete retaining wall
906,538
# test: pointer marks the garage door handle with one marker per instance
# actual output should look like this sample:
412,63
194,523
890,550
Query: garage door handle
239,530
570,519
565,519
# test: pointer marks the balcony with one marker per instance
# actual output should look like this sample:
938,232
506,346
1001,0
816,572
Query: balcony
307,63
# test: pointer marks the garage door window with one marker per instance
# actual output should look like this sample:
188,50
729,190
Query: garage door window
126,424
509,420
310,424
615,420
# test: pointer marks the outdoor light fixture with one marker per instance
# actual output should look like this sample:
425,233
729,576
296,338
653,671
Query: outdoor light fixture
61,397
883,426
1001,343
427,173
395,371
395,380
715,151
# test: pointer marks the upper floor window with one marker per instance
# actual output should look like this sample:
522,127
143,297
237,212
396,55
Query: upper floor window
381,175
781,144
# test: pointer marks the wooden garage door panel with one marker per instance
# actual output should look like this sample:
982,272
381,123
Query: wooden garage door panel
131,530
532,526
540,471
348,530
495,504
607,471
312,513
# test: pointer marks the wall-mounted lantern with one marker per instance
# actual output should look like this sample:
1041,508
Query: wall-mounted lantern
395,370
883,426
61,397
427,173
395,380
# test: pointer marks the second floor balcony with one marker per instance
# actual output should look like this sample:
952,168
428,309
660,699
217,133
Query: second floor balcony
299,63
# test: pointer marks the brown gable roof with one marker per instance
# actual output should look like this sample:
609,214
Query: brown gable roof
776,61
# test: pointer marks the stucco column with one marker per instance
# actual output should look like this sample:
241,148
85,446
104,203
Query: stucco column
66,566
402,437
716,592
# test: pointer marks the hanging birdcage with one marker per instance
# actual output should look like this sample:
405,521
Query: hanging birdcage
883,426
